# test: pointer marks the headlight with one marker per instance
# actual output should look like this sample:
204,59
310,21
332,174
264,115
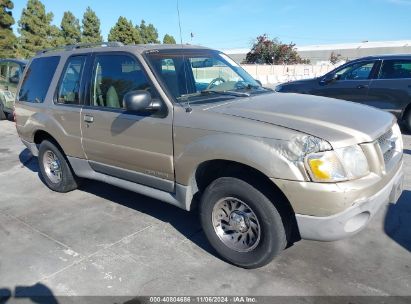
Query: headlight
337,165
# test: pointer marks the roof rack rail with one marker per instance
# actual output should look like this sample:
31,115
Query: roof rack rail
71,47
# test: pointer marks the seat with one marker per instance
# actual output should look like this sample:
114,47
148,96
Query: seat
112,99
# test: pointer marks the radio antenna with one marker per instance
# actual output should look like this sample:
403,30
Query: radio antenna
188,108
179,24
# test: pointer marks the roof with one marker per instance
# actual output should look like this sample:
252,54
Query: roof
356,45
387,56
114,46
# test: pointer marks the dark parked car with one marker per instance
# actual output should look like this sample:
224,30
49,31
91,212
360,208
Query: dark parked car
380,81
10,72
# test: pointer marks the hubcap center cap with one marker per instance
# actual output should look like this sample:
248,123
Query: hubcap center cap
54,166
239,221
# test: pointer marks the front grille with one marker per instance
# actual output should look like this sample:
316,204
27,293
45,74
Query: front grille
388,145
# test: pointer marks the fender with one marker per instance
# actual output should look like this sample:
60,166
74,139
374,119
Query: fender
274,158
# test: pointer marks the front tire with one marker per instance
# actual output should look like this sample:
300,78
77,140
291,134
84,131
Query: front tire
55,169
241,223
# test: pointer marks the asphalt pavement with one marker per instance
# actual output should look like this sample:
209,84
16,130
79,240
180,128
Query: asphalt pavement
102,240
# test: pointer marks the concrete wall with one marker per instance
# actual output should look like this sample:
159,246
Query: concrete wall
272,74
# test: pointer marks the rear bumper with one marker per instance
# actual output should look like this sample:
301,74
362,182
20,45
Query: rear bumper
353,219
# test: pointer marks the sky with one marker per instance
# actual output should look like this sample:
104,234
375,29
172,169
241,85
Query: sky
228,24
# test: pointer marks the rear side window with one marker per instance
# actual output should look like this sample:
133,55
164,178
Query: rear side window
37,79
394,69
69,87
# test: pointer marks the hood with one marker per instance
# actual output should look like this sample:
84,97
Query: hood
341,123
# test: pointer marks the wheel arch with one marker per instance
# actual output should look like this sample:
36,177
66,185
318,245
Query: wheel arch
209,170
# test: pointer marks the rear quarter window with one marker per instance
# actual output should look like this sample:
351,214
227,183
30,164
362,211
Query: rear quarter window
395,69
37,79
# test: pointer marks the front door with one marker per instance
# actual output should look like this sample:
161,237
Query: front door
136,147
351,83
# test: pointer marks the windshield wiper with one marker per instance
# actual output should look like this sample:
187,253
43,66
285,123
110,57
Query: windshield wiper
230,93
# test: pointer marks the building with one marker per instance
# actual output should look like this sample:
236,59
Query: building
347,51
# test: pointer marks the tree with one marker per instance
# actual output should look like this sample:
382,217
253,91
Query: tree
35,30
91,27
273,51
8,41
168,39
70,28
334,58
148,33
57,39
124,31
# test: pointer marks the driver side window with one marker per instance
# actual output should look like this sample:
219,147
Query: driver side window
114,75
356,71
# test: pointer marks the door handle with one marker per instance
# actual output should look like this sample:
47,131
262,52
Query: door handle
362,86
88,118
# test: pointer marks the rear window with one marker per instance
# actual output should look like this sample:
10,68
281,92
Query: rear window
37,79
394,69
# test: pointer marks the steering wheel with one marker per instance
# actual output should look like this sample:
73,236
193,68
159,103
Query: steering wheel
214,81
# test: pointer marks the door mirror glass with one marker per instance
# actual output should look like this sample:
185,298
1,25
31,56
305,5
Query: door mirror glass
138,101
329,78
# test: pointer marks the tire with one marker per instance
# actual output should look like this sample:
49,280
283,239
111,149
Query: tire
254,250
3,115
407,120
55,169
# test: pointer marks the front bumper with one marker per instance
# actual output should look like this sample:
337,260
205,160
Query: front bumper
353,218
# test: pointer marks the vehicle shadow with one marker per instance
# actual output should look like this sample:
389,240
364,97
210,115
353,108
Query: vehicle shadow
28,160
187,223
397,219
38,293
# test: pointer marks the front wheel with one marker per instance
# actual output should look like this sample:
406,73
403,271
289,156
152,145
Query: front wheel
55,169
241,223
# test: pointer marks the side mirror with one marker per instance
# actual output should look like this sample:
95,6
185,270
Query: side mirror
140,101
259,82
14,79
329,78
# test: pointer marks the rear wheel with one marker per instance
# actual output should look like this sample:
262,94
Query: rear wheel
241,223
55,169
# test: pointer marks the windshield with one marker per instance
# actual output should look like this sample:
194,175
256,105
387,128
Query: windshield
199,75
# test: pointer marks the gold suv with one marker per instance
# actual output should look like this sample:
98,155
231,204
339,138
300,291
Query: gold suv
188,126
